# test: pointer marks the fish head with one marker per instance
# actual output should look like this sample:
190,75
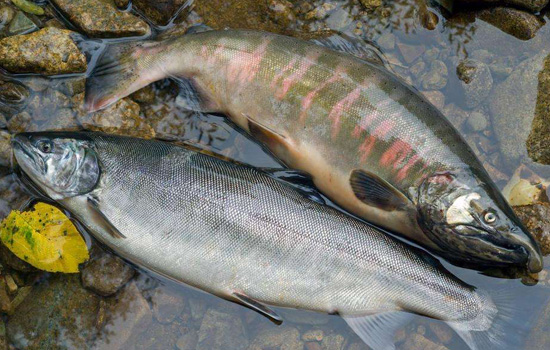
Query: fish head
59,165
470,220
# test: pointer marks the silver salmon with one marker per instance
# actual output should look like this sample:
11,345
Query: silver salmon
370,143
236,232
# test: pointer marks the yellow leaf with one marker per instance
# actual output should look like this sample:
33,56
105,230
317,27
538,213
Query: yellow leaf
45,238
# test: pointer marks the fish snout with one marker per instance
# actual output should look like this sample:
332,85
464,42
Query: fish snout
523,239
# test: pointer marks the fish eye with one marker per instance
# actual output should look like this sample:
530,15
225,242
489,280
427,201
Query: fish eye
44,146
490,217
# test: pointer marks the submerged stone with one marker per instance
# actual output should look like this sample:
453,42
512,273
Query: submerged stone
48,51
58,314
287,338
21,24
523,25
476,81
102,19
536,218
220,331
532,5
538,143
160,12
106,274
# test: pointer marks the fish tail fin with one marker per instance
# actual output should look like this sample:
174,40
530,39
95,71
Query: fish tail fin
378,331
121,70
504,325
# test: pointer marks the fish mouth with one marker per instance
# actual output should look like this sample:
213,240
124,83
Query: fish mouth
479,246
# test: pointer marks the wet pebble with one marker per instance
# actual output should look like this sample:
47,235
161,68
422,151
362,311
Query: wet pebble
220,331
436,77
333,342
371,4
187,341
386,41
159,12
106,274
5,149
21,24
532,5
102,19
277,338
419,342
437,98
477,121
6,15
476,81
410,52
456,115
521,24
313,335
48,51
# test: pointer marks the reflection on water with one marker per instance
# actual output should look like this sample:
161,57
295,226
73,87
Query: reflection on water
505,121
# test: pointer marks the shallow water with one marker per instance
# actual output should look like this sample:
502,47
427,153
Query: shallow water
151,313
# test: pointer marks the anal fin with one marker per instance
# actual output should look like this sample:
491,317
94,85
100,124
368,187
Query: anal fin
376,192
378,331
94,205
258,307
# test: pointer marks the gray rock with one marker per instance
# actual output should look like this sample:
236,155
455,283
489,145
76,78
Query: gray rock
476,81
482,55
538,143
220,331
187,341
127,316
512,106
436,77
5,149
58,314
283,338
102,19
339,19
106,274
477,121
167,304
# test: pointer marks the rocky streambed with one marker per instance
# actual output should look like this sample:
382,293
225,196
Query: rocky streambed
486,67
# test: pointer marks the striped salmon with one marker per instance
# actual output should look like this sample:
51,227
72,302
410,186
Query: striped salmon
370,143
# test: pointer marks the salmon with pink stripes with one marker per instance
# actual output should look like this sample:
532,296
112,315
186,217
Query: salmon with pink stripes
370,143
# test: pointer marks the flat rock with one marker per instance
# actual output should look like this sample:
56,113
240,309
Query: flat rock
102,19
512,106
127,316
160,12
476,81
48,51
220,331
58,314
106,274
538,143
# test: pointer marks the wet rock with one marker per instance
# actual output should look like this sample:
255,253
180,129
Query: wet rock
21,24
167,305
333,342
13,94
358,346
477,121
386,41
3,121
127,316
436,77
198,308
11,260
418,69
106,274
371,4
312,346
159,12
187,341
538,143
476,81
537,219
410,52
286,338
523,25
49,51
443,333
419,342
58,314
122,4
339,19
220,331
428,19
313,335
144,95
120,118
5,149
502,67
61,120
532,5
6,15
456,115
512,106
28,7
101,19
436,98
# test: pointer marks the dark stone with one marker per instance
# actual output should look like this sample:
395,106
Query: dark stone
106,274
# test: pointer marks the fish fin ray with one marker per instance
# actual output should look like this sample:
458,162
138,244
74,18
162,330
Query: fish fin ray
93,203
258,307
299,180
116,74
377,331
275,142
374,191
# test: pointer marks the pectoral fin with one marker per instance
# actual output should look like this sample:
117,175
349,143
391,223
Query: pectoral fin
376,192
93,204
258,307
275,141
